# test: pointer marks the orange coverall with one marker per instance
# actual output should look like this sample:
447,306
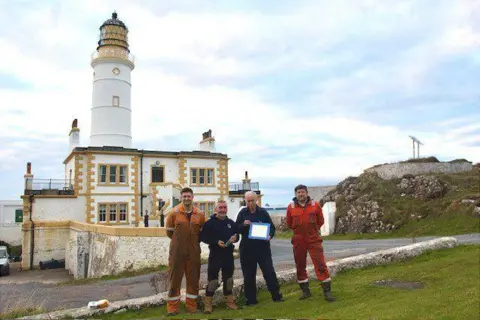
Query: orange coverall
305,223
184,256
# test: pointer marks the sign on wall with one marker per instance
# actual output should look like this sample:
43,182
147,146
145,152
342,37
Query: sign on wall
18,216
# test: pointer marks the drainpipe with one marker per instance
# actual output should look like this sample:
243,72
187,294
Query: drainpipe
32,232
141,184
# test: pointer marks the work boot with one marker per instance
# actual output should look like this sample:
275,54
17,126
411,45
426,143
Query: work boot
230,302
208,305
276,296
305,291
327,291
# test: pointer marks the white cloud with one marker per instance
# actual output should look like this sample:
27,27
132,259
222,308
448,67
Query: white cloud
53,55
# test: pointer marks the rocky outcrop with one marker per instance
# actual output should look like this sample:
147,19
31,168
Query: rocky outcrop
423,187
364,202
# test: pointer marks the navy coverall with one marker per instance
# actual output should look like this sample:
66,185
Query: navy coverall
214,230
253,252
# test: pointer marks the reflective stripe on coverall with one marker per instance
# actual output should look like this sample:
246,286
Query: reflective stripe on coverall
305,223
184,256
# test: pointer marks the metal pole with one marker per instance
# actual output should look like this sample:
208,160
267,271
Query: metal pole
413,143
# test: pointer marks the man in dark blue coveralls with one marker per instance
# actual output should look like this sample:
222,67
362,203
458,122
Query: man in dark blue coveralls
254,251
220,233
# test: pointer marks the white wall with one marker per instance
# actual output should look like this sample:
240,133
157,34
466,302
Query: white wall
328,210
10,231
55,209
111,125
398,170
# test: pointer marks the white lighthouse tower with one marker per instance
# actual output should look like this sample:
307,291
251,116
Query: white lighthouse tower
112,64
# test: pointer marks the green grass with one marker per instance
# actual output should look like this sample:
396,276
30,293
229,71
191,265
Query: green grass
451,290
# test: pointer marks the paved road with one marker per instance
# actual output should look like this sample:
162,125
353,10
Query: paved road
51,296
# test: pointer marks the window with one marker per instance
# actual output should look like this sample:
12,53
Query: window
102,213
202,176
207,207
115,101
113,174
158,174
112,212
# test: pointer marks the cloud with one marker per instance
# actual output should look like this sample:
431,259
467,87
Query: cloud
314,92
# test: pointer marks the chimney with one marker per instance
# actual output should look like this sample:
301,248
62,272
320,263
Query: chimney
74,135
208,142
28,176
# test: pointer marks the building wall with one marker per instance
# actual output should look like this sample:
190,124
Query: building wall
50,238
398,170
57,208
10,231
96,251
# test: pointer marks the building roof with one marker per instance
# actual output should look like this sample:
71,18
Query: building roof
130,151
114,21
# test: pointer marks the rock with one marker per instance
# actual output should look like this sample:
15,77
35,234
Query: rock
423,187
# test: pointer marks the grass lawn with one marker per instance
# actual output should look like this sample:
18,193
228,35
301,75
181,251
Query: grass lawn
451,290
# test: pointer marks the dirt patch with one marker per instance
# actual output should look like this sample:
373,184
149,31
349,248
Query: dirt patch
399,284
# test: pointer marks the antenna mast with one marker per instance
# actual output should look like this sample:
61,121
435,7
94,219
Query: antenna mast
418,142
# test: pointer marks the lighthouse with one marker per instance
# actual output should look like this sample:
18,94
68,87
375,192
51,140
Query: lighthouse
112,63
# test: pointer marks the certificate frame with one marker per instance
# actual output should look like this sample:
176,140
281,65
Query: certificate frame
250,236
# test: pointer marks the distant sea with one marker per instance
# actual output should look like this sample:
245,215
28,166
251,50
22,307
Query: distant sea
277,211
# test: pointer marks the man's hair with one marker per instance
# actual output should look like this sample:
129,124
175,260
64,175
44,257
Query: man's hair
186,189
221,201
251,193
301,187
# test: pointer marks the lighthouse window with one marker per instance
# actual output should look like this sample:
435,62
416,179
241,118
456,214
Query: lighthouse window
115,101
202,176
158,174
112,174
112,213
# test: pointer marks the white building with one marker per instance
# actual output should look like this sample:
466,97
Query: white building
11,218
111,183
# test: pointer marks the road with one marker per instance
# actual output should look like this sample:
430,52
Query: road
50,296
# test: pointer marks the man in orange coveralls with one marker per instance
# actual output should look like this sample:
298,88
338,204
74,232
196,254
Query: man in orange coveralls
183,227
305,217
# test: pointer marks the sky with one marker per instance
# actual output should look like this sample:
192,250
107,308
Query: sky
294,91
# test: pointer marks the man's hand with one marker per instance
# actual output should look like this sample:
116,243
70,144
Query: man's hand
246,222
269,238
221,244
233,238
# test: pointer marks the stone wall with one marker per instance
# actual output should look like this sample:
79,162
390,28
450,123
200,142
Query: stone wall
398,170
49,242
94,252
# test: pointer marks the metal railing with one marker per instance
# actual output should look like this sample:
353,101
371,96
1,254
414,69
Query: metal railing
244,186
113,53
49,186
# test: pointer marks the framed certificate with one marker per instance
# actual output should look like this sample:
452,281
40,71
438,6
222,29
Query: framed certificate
259,231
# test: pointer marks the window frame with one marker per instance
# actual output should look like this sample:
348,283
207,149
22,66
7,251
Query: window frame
108,206
108,174
206,205
195,178
152,167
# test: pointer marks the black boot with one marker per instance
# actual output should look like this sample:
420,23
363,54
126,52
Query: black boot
305,291
327,291
276,296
